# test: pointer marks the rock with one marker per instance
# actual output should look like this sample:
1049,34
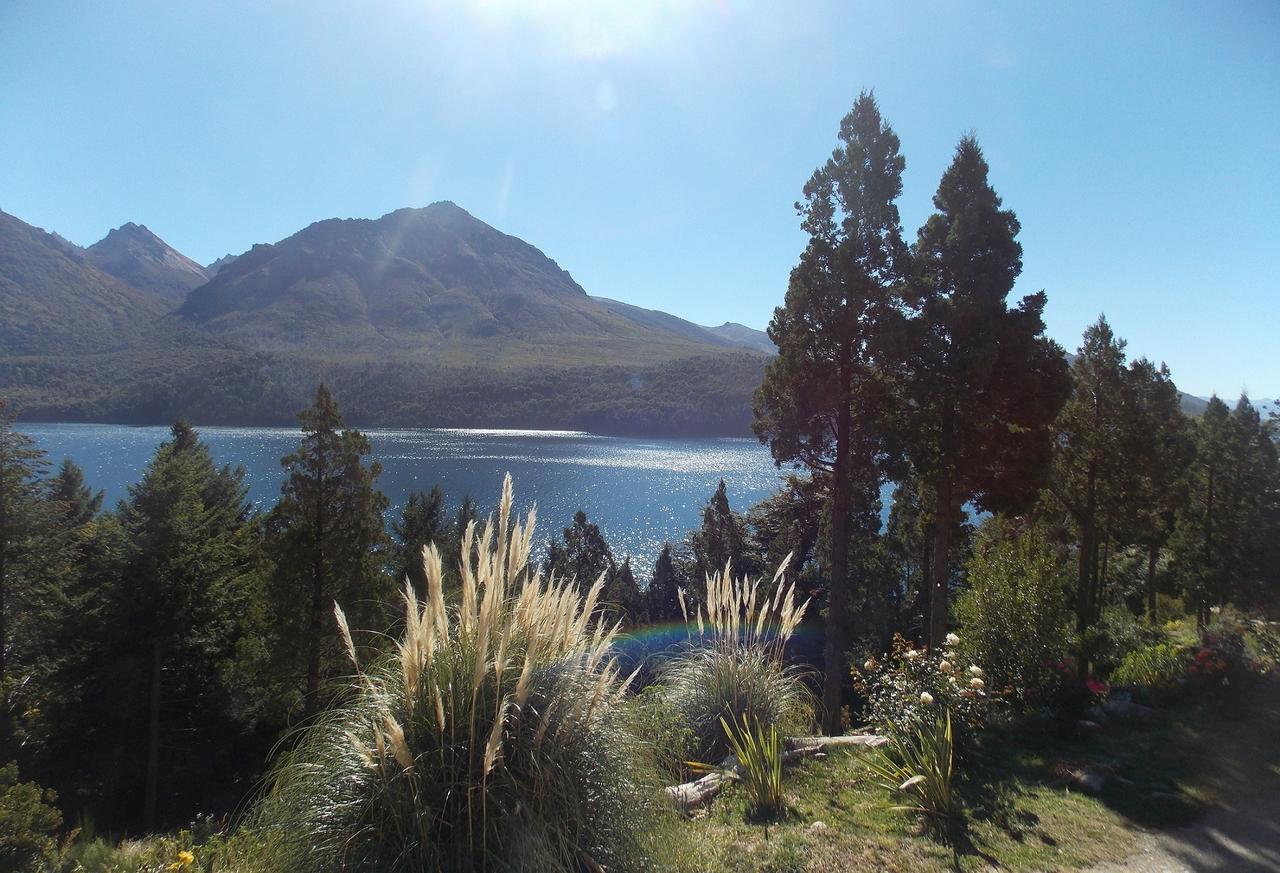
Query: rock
818,826
1085,726
1096,713
1125,709
1090,781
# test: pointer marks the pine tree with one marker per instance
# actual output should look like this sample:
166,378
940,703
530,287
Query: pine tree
582,554
721,539
1090,471
22,523
985,383
838,334
662,596
178,615
422,521
328,541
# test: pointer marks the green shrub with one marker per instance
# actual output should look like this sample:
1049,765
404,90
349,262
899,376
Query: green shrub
1013,617
495,737
1116,635
734,667
758,749
1158,667
28,822
909,686
918,762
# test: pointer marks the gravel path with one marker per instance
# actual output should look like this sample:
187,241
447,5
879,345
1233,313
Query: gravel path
1242,832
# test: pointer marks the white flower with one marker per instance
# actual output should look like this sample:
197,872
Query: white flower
953,640
912,654
869,665
975,670
945,666
975,682
926,698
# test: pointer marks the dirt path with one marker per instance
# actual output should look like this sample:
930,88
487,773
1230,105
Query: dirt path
1242,831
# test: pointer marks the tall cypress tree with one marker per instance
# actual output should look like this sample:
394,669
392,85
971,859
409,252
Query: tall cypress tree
328,541
823,397
663,594
985,383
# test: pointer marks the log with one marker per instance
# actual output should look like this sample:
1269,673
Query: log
692,795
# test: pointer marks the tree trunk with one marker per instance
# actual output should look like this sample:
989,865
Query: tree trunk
1202,617
311,701
153,740
838,595
1087,549
1152,554
944,513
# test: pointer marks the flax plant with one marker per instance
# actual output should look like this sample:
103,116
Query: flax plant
758,749
917,764
493,737
734,666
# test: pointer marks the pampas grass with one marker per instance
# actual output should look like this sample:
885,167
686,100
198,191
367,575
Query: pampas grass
493,737
734,668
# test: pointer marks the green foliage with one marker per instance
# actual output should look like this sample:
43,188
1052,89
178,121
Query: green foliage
1159,667
839,335
422,521
758,750
584,554
1116,633
908,686
29,819
985,383
735,667
327,539
918,763
495,736
1013,617
662,597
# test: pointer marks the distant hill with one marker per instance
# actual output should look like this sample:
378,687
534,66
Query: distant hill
424,317
53,300
747,337
432,283
137,257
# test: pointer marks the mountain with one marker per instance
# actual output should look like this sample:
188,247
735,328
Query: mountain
212,269
422,318
658,320
747,337
53,300
433,284
137,257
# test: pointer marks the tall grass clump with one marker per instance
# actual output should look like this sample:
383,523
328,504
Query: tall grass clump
759,752
918,764
733,668
493,737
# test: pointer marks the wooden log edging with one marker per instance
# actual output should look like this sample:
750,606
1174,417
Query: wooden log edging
691,795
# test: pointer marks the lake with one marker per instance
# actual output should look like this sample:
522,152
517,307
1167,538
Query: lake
641,492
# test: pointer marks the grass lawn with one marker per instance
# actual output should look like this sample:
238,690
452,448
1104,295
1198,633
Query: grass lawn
1021,813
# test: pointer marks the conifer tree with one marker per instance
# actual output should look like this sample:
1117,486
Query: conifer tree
328,540
22,521
985,383
721,539
422,521
662,596
822,401
178,614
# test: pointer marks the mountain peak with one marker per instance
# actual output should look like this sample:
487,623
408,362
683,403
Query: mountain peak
136,256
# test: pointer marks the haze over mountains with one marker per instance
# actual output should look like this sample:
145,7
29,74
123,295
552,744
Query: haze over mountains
421,317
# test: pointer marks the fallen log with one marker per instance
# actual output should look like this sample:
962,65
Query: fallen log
691,795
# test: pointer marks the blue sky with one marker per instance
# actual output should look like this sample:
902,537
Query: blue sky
656,149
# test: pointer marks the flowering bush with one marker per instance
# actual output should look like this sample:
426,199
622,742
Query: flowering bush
1157,667
909,686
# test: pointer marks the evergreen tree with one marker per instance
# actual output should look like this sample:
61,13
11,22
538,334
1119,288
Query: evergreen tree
176,617
662,596
1090,471
582,554
78,503
985,384
622,598
1158,456
721,539
822,401
423,520
328,540
22,522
